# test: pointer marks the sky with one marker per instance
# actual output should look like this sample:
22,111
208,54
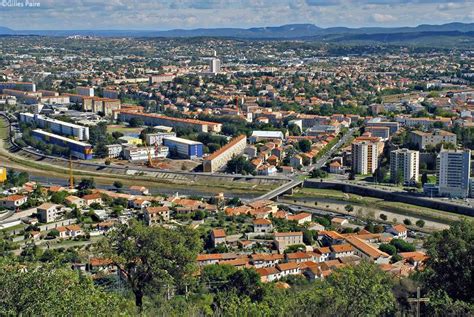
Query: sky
189,14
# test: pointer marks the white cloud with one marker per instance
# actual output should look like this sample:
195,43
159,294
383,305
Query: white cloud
168,14
451,6
383,18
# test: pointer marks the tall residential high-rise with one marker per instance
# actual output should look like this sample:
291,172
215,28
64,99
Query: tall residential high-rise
453,172
404,163
215,65
365,155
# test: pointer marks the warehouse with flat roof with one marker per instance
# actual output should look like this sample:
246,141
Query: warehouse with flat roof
183,147
77,149
57,126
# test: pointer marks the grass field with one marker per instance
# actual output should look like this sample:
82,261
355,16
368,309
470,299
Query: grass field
334,194
14,228
3,130
123,129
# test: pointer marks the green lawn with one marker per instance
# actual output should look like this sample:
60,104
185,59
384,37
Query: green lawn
17,227
3,129
122,129
334,194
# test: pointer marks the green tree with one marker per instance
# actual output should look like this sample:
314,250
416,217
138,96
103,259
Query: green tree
349,208
240,165
246,282
86,183
388,248
199,215
100,150
295,248
217,275
152,258
318,173
407,222
59,197
420,223
323,221
120,201
379,174
424,178
362,290
6,245
395,258
402,246
304,145
441,304
231,304
450,264
308,237
398,179
53,233
117,134
294,129
17,179
50,291
118,184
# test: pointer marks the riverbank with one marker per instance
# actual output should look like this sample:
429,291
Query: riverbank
370,207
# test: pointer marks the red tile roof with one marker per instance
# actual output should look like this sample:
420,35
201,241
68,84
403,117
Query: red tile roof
156,210
13,198
287,266
399,228
265,271
262,221
218,233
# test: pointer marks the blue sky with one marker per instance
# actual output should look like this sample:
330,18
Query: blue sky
170,14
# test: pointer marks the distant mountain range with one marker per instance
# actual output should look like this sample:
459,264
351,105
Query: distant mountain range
290,31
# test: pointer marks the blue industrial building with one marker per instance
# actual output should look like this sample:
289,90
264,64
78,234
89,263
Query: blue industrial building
78,149
184,148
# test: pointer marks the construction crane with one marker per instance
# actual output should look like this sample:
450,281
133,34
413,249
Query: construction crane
71,176
150,159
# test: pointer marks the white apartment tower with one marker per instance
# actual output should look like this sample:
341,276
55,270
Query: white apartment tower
453,172
406,163
215,65
364,157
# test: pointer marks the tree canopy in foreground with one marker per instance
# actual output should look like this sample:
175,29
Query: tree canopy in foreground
33,290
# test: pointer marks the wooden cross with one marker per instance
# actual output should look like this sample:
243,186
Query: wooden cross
418,300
